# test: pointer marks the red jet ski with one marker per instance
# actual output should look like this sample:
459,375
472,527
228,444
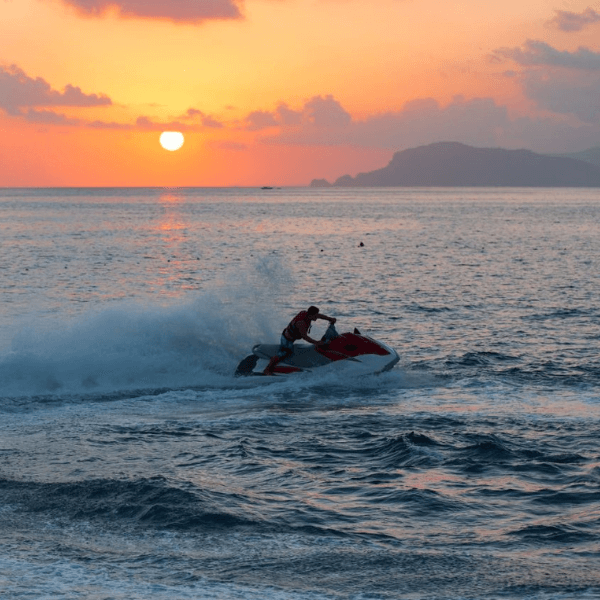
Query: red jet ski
359,353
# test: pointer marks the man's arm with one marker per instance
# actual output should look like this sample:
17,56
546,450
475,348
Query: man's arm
303,329
326,318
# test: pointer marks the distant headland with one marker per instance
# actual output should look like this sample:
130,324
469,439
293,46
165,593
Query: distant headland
451,164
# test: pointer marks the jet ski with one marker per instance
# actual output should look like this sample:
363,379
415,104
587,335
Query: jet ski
360,354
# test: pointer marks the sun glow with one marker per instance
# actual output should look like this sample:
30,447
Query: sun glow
171,140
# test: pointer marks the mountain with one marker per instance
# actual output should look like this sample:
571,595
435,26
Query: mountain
320,183
591,156
448,164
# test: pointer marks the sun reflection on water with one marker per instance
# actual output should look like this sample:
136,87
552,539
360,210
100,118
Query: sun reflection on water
175,250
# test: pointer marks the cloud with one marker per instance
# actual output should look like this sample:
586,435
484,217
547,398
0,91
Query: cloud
18,91
286,116
320,112
566,83
192,113
323,121
537,53
110,125
145,123
570,21
478,122
192,11
205,120
565,93
326,112
47,117
260,119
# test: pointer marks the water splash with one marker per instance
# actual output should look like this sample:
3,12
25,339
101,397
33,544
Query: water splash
196,341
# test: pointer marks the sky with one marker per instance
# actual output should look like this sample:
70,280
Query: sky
280,92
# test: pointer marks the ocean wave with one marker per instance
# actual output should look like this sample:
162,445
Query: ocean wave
155,502
404,451
564,313
480,359
559,533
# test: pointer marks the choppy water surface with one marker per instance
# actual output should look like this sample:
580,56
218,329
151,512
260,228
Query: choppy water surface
133,465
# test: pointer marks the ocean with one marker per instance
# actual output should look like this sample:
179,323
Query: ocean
135,466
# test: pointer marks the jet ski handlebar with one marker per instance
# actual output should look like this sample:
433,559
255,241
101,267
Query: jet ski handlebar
330,334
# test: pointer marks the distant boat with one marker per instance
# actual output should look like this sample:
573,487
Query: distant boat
266,187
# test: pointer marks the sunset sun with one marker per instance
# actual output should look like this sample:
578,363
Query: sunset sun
171,140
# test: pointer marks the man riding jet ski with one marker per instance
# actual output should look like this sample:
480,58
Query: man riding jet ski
361,353
297,329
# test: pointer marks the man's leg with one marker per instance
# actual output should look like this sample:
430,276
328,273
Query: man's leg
271,365
286,348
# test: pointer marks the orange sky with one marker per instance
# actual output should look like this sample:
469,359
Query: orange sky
278,92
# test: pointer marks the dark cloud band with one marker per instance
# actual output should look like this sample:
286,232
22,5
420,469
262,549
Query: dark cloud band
537,53
193,11
570,21
18,91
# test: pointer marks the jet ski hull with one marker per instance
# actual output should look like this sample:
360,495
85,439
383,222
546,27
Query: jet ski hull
359,354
